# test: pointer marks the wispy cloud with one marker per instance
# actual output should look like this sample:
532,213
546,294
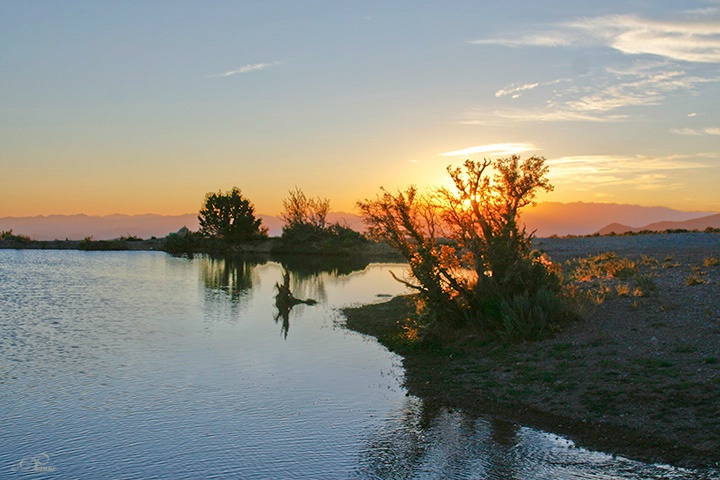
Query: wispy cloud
682,48
588,172
251,67
695,131
686,131
692,40
636,87
492,149
555,112
550,39
516,90
608,95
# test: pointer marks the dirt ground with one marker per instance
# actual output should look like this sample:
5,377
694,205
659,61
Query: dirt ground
638,374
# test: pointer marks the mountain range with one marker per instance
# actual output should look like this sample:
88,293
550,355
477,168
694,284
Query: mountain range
712,221
546,219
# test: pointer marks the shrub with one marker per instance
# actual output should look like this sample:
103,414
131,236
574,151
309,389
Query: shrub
306,228
711,262
185,242
9,236
529,318
88,243
623,289
130,238
470,258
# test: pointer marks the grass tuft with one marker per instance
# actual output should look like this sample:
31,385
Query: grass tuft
695,279
711,262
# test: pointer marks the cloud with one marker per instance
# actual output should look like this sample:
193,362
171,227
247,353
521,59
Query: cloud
608,95
492,149
636,86
550,113
692,40
556,113
613,93
695,131
638,172
516,90
540,40
251,67
686,131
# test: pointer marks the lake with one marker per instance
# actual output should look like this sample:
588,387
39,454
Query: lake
140,365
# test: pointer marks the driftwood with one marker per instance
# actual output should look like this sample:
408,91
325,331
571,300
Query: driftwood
285,297
285,301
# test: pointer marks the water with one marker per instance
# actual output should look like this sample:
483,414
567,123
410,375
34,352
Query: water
139,365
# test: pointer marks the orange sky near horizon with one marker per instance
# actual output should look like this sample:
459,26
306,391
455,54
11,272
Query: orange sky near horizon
145,107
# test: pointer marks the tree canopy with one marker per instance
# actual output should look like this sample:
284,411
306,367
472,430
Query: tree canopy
229,216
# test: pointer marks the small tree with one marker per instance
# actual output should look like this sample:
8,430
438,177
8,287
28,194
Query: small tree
466,249
230,216
305,218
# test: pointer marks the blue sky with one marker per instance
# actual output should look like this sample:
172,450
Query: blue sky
143,107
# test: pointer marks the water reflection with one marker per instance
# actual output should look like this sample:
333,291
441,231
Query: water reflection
426,441
305,266
430,441
302,282
232,275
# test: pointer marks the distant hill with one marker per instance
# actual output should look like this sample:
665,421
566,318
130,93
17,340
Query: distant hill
77,227
712,221
581,218
546,219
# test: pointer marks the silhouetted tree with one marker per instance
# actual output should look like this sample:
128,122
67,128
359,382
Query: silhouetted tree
306,227
305,218
469,254
230,216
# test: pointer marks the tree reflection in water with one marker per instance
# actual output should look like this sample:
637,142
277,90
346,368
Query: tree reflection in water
232,275
437,442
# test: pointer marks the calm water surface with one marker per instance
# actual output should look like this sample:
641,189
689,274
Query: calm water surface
139,365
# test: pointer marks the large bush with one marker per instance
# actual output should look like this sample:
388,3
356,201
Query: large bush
470,258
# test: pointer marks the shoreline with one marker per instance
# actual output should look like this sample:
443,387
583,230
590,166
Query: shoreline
271,246
637,376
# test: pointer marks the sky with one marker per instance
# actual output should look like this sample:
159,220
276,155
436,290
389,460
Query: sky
143,107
